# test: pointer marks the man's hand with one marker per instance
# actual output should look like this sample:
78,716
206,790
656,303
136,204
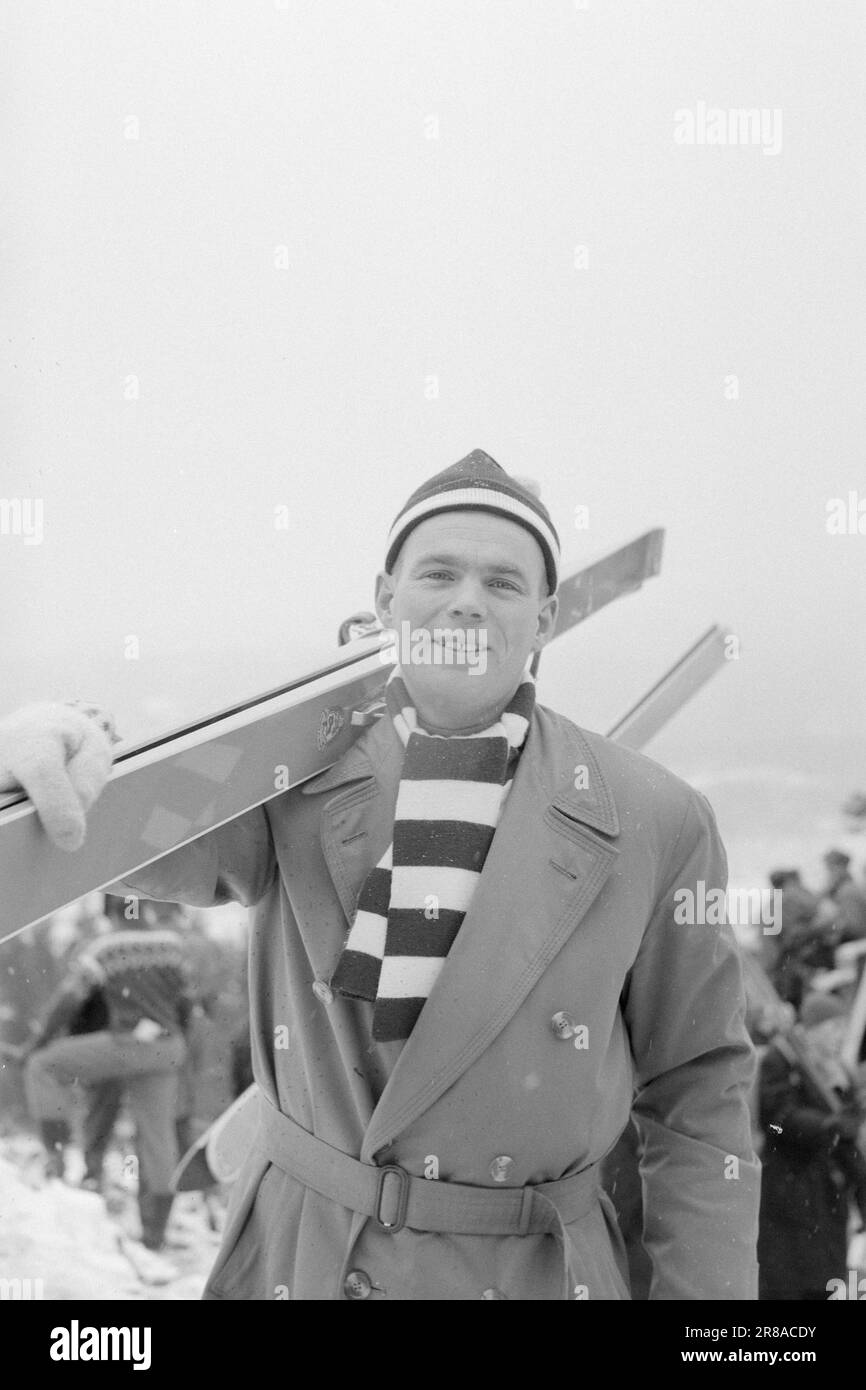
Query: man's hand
61,756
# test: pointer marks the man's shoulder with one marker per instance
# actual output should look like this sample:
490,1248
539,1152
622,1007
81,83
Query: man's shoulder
640,786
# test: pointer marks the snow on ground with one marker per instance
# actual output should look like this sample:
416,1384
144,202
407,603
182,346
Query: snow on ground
54,1232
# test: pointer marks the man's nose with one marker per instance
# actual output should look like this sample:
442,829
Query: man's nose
468,600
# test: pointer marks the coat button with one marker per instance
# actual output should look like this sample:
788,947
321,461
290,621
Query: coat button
499,1167
357,1284
323,991
562,1025
494,1293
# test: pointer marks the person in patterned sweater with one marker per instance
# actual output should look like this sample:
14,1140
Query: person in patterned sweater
141,975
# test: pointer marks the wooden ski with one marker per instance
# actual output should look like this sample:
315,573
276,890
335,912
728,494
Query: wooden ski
698,665
852,1050
164,793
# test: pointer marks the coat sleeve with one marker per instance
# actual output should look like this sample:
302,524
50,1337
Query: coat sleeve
235,863
694,1065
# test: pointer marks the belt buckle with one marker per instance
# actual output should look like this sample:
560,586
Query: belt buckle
392,1170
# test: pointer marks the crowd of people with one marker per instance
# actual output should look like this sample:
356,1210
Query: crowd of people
811,1098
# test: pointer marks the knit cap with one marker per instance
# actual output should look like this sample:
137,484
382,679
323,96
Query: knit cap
478,483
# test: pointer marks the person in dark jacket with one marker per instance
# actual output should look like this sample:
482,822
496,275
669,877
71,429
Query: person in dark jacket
812,1166
141,975
844,900
806,943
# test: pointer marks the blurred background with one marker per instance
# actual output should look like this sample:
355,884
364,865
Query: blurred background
268,266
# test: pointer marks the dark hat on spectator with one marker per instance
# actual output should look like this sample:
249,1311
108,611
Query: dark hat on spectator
779,877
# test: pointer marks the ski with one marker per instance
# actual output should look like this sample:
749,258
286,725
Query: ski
852,1050
164,793
684,679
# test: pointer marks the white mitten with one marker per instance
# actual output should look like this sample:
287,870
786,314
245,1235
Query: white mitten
61,756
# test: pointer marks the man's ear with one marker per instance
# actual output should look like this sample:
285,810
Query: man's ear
546,622
385,586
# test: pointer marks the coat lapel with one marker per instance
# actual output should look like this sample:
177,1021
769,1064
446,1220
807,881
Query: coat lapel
545,868
357,824
547,863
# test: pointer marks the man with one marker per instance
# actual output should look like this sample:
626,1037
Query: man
843,901
465,969
139,976
805,945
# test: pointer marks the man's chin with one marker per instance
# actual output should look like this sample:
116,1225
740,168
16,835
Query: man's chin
433,676
455,695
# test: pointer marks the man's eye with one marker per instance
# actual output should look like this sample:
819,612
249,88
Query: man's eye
437,574
507,582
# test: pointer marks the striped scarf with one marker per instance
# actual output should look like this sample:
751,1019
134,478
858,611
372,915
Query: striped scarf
451,793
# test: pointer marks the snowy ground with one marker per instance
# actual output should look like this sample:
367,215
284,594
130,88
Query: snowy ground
51,1231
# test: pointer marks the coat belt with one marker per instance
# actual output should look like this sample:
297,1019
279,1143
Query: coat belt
393,1198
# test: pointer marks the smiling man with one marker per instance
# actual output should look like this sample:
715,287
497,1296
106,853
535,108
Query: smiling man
466,972
481,590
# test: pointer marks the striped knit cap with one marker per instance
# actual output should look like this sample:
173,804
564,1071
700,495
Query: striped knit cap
410,909
477,482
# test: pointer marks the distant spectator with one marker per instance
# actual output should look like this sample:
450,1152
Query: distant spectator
812,1165
846,897
804,944
142,977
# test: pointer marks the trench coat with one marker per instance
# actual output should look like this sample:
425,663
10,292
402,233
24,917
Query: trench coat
574,915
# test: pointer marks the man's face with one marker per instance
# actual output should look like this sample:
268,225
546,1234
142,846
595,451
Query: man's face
474,574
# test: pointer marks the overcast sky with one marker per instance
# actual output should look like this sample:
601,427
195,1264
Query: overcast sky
303,255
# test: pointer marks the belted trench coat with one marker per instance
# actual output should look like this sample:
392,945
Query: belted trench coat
574,915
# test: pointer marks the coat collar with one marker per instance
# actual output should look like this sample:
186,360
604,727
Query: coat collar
378,753
544,869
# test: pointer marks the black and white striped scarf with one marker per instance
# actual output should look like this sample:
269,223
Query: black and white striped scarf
451,793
